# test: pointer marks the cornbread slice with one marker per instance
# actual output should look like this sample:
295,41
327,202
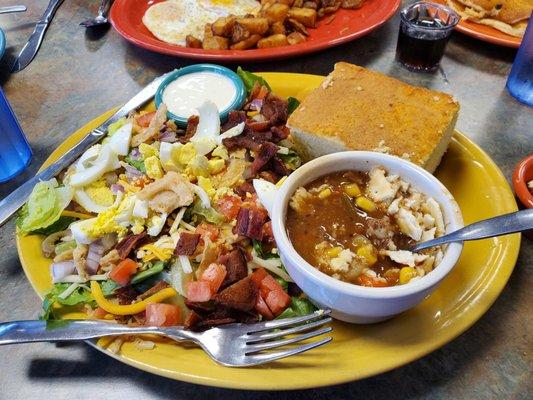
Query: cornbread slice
359,109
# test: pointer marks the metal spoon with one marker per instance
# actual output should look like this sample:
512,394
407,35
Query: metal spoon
508,223
12,9
101,18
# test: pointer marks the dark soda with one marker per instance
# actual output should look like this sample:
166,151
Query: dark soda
423,36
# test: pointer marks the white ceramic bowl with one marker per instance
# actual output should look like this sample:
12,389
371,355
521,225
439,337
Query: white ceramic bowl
349,302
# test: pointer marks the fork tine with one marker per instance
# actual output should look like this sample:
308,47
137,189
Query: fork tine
283,342
263,326
257,359
284,332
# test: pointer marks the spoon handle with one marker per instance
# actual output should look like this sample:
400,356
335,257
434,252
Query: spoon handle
508,223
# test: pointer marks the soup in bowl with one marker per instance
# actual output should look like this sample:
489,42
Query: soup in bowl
344,222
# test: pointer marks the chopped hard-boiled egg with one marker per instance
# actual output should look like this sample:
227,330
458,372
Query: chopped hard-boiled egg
221,152
185,153
107,160
119,142
100,193
155,224
216,165
147,150
79,233
207,185
140,209
153,167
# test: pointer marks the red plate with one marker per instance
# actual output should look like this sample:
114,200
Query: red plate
485,32
126,17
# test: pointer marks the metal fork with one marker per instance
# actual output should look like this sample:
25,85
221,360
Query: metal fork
234,345
101,18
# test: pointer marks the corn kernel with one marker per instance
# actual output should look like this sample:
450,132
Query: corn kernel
334,252
360,240
365,204
368,253
325,193
352,190
406,274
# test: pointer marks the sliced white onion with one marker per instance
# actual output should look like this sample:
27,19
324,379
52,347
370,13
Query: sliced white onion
185,264
209,124
232,132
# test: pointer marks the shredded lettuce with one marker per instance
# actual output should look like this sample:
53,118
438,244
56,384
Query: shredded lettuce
209,214
138,164
292,160
249,79
293,104
147,273
60,225
44,206
298,307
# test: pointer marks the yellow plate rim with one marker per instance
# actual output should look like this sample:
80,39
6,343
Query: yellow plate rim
511,254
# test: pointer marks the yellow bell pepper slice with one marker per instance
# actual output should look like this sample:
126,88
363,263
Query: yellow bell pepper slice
129,309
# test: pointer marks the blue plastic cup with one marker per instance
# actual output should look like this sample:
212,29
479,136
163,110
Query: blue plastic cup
520,81
15,152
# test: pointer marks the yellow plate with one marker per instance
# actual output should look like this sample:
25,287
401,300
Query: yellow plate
356,351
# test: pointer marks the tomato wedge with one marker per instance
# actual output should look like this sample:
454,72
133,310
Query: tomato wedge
144,120
277,301
123,272
262,308
161,314
199,291
258,275
214,274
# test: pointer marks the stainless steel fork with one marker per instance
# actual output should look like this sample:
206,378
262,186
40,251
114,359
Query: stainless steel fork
234,345
101,18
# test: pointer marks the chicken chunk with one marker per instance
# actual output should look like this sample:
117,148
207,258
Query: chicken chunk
168,193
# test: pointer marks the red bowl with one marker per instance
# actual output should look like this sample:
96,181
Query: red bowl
523,173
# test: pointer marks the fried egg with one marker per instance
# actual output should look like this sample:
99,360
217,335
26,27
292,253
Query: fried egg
171,21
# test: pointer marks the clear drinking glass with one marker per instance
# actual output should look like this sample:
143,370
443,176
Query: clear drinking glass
520,81
424,31
15,152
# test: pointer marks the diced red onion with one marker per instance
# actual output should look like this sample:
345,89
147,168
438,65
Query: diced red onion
168,136
132,173
135,154
256,104
115,188
61,269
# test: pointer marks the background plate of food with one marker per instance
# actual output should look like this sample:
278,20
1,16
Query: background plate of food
278,29
357,351
497,22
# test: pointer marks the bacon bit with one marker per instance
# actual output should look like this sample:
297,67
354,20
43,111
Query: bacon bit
275,109
126,245
187,244
265,153
192,124
234,118
160,285
144,119
236,267
250,222
241,296
229,206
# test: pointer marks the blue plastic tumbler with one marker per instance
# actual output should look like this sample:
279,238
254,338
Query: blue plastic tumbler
520,81
15,152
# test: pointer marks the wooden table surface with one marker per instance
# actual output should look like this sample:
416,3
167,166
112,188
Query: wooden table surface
77,75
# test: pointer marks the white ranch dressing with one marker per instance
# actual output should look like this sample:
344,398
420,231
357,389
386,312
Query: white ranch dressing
183,95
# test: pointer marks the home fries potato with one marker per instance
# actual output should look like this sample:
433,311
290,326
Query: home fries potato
278,23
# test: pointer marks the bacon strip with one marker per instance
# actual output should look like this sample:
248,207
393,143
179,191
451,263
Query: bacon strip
126,245
187,244
275,109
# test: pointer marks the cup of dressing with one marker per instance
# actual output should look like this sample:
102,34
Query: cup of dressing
185,89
